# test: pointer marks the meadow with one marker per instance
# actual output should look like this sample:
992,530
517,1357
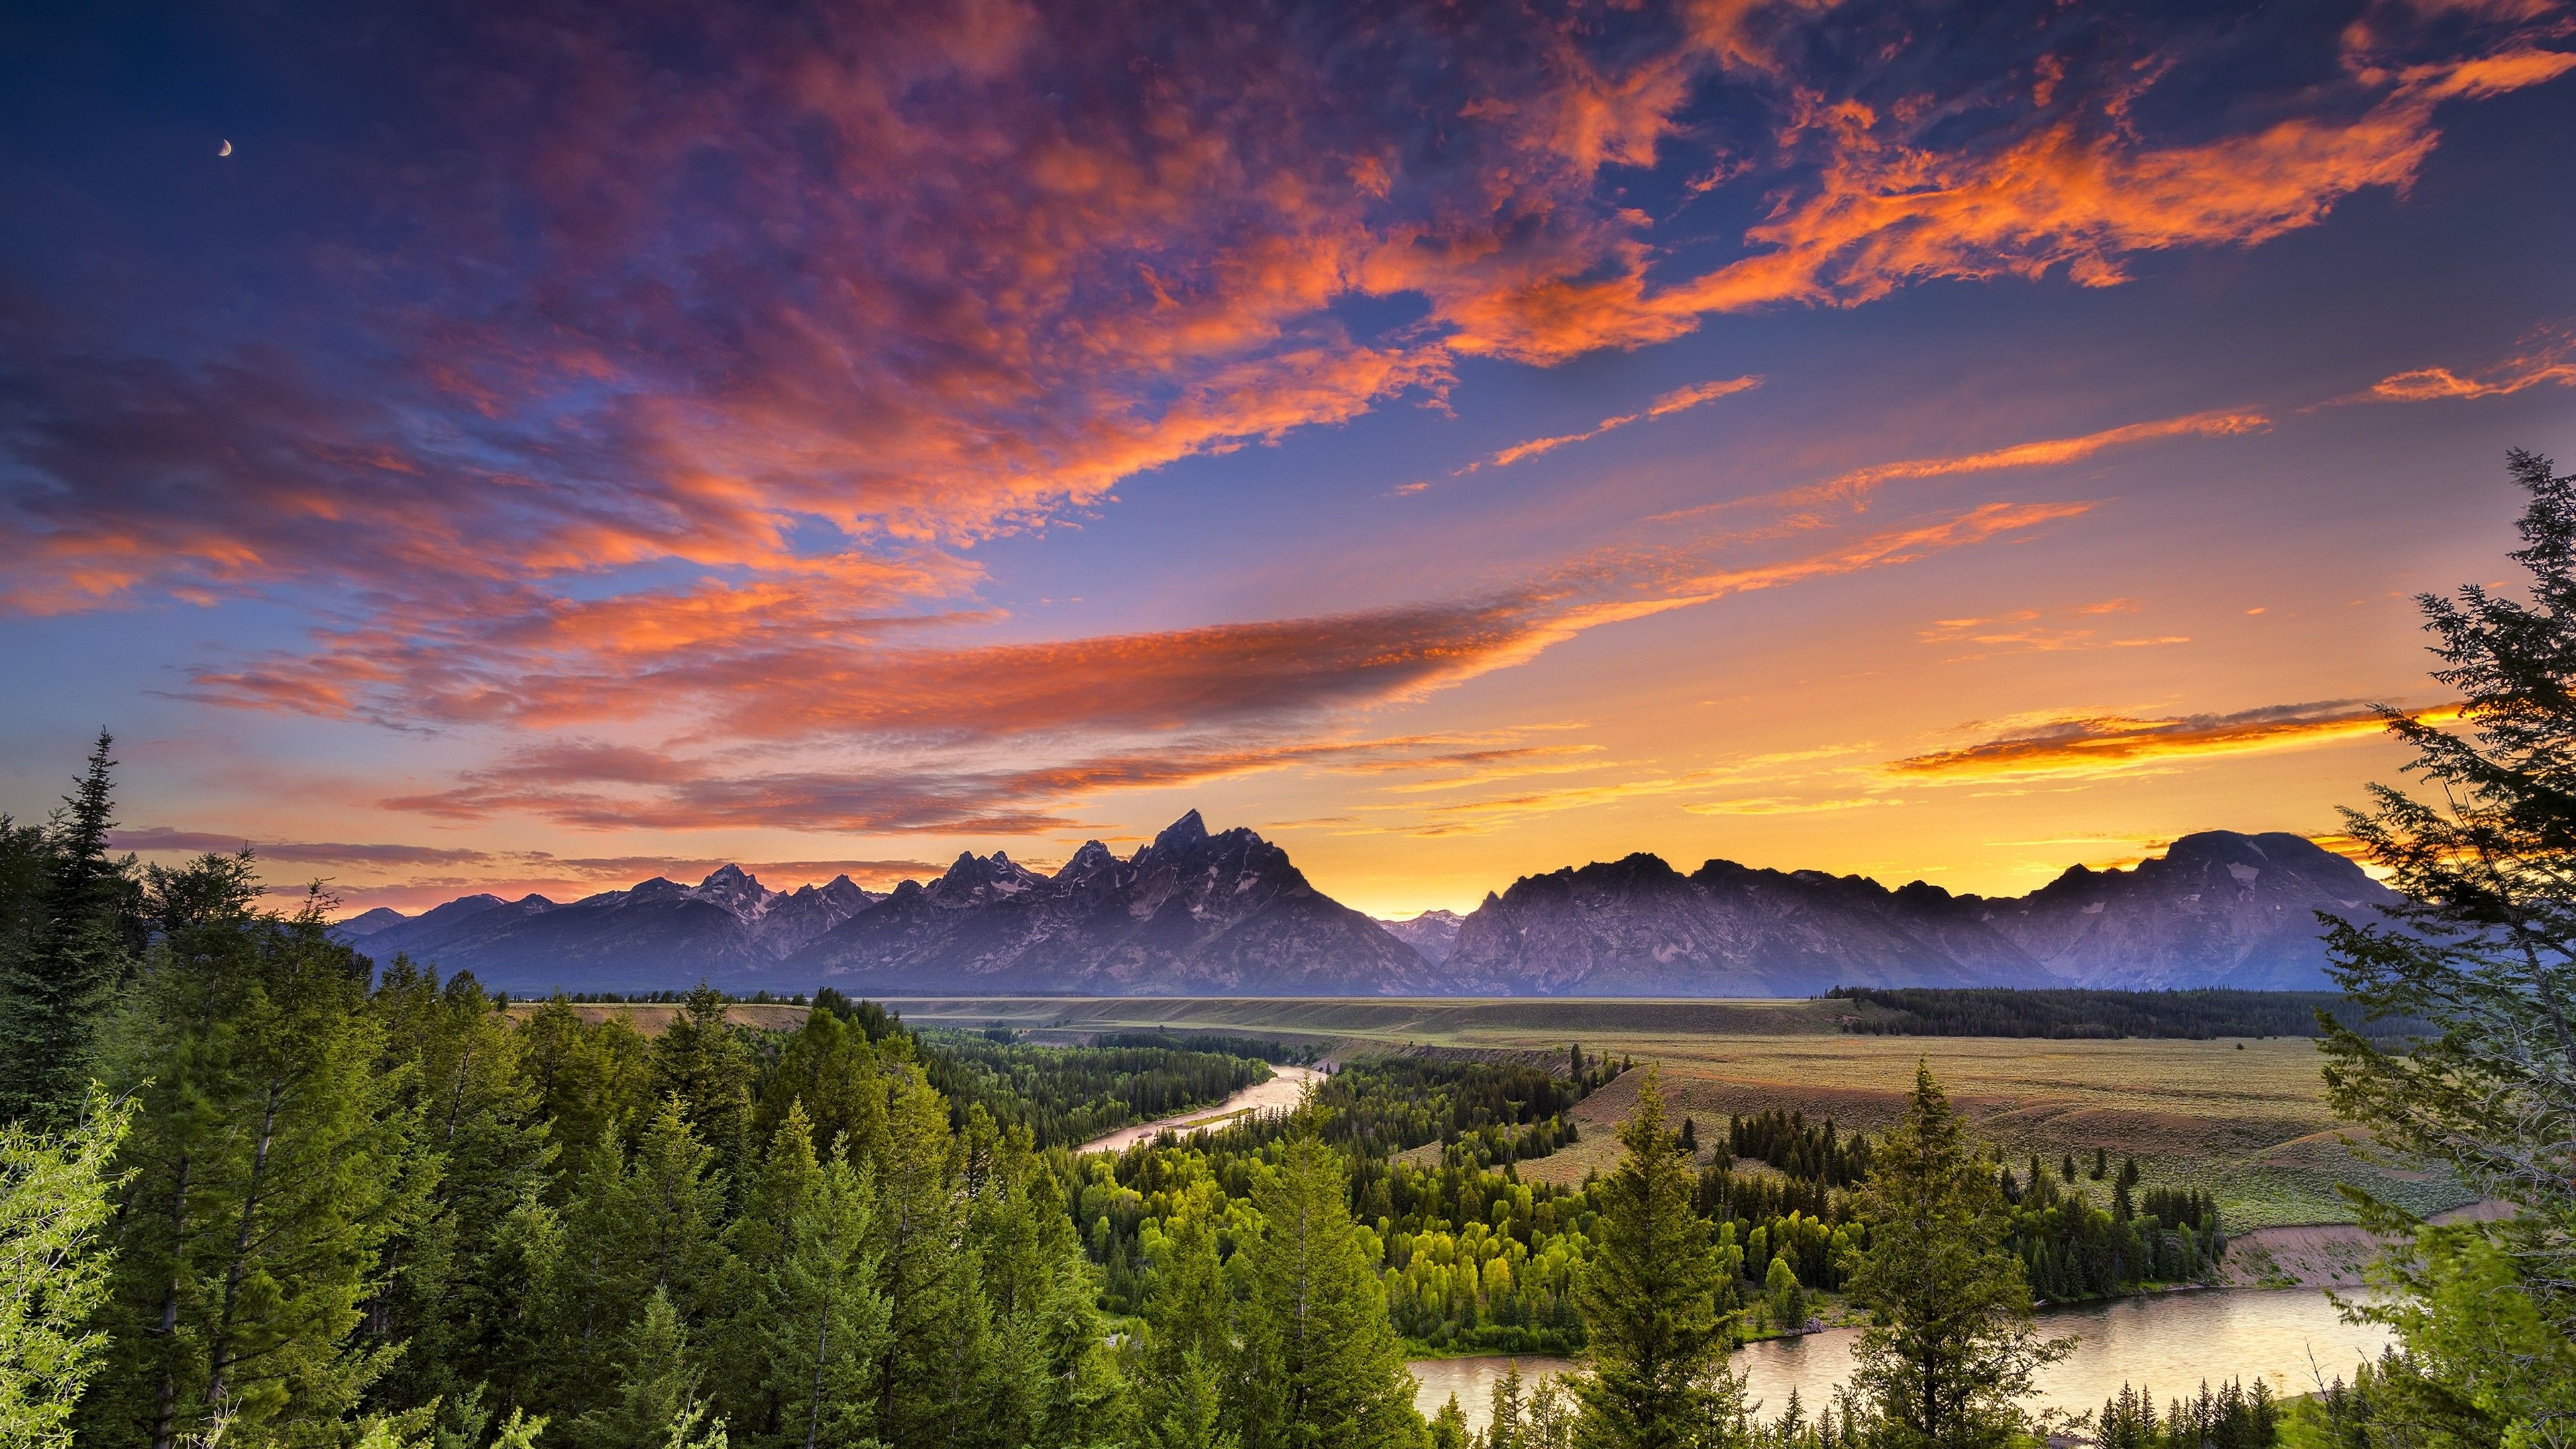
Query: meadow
2245,1118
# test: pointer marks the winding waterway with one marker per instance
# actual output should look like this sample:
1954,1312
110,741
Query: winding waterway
2167,1343
1278,1094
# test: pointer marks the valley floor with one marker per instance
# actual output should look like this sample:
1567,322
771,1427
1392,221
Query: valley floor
2245,1118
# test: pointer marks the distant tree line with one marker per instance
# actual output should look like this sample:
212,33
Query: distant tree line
2200,1014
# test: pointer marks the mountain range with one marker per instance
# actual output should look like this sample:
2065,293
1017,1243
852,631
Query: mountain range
1227,913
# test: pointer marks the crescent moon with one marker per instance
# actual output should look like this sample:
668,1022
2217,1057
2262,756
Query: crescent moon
224,150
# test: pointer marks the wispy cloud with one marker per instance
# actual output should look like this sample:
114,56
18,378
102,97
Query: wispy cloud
1678,400
2547,357
2040,631
2094,745
2045,452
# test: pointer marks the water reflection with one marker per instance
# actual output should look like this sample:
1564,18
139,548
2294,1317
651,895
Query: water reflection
2168,1343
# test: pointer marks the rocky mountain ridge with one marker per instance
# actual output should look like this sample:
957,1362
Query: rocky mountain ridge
655,933
1201,913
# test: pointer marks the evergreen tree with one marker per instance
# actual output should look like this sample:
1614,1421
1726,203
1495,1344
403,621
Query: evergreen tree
1950,1351
1326,1365
2484,950
1192,1414
586,1078
701,1061
1505,1426
657,1399
670,1216
827,1322
480,1153
53,1268
830,1068
1449,1426
1650,1302
69,951
268,1154
920,1272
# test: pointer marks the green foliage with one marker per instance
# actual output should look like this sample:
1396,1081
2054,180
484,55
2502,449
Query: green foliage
1950,1350
270,1161
2485,951
1070,1095
1650,1297
2231,1417
1325,1366
2200,1014
1784,1301
53,1268
67,941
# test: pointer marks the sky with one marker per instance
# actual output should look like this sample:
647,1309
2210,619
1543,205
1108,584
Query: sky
539,446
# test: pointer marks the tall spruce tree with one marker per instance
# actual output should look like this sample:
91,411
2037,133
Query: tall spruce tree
1327,1368
923,1276
700,1061
2484,949
72,947
267,1156
1951,1351
825,1320
449,1295
1656,1337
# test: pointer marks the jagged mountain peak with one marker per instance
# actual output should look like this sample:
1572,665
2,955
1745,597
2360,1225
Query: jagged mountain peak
1186,833
1191,911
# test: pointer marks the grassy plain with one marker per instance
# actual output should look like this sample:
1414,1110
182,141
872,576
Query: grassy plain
2245,1118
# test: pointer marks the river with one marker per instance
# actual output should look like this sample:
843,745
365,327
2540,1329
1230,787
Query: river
1278,1094
2168,1342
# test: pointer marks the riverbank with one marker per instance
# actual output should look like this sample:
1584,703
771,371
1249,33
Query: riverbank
2168,1343
1285,1087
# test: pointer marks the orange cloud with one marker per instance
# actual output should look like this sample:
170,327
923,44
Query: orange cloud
2550,358
2088,746
2032,631
1678,400
2046,452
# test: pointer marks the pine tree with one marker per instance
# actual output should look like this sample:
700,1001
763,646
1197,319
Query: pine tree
701,1061
2484,949
53,1268
1192,1415
657,1399
1650,1302
73,947
1326,1364
824,1320
920,1272
1449,1426
670,1216
830,1068
1505,1426
586,1078
267,1152
1951,1351
1055,1383
480,1154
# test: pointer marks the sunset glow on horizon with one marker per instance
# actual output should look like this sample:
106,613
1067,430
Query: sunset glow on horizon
535,448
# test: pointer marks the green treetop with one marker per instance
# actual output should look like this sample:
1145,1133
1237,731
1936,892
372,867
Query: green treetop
1951,1351
2484,948
1650,1302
